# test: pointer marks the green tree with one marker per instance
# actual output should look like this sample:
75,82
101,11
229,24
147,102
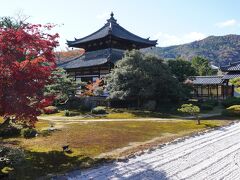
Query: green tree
192,110
61,87
201,66
142,77
236,83
181,69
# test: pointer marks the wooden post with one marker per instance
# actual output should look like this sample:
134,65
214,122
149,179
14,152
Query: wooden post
217,91
208,90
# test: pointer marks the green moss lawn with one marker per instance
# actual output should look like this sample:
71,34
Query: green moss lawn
88,140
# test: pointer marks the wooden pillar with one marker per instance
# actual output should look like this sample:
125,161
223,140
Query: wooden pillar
208,90
226,90
201,91
217,90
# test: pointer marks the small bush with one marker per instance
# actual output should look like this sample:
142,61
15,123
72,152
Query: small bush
66,113
71,113
74,103
50,110
208,104
99,110
9,132
232,111
231,101
28,133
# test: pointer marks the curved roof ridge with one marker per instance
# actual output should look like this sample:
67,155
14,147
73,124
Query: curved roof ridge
114,29
135,34
75,41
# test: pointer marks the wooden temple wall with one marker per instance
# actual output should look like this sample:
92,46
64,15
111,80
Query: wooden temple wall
89,74
213,91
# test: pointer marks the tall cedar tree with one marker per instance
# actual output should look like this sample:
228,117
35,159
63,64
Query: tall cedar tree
26,62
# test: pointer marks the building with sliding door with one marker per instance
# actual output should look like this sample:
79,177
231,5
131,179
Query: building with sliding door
217,87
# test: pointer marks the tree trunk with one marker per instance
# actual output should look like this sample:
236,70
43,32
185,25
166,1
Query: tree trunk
198,120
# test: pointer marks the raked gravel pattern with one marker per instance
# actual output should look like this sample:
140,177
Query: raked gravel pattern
213,155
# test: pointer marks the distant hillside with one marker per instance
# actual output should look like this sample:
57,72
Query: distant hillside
218,49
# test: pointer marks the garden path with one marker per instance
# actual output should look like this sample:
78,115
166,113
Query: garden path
83,118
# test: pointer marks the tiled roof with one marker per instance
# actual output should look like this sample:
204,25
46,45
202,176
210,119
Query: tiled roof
207,80
115,30
93,58
231,75
235,66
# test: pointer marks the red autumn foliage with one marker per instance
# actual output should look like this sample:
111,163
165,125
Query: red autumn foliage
26,62
63,56
91,87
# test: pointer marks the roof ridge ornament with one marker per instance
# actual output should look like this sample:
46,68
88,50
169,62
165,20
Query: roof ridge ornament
112,19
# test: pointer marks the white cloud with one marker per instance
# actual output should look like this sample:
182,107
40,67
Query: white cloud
165,39
103,15
228,23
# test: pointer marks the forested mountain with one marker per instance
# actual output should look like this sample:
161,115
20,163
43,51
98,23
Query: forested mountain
218,49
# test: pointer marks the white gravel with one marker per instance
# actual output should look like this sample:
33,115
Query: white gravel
214,155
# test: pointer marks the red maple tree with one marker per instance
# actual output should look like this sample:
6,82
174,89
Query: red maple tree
26,62
91,87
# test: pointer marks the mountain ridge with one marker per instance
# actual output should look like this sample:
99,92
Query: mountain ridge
219,50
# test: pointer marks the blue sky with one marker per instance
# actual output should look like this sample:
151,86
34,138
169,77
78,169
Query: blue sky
170,21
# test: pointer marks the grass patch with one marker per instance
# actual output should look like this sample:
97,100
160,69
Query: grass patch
44,155
124,115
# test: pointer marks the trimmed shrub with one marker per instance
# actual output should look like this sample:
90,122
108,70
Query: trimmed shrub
50,110
28,132
232,111
74,103
231,101
208,104
9,132
99,110
71,113
66,113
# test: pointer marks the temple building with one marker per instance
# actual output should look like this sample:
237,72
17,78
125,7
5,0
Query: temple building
217,87
103,49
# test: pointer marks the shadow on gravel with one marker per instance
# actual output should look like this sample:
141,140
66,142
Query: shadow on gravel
142,171
122,171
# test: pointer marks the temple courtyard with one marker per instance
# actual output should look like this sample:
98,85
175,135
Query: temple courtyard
112,144
213,155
